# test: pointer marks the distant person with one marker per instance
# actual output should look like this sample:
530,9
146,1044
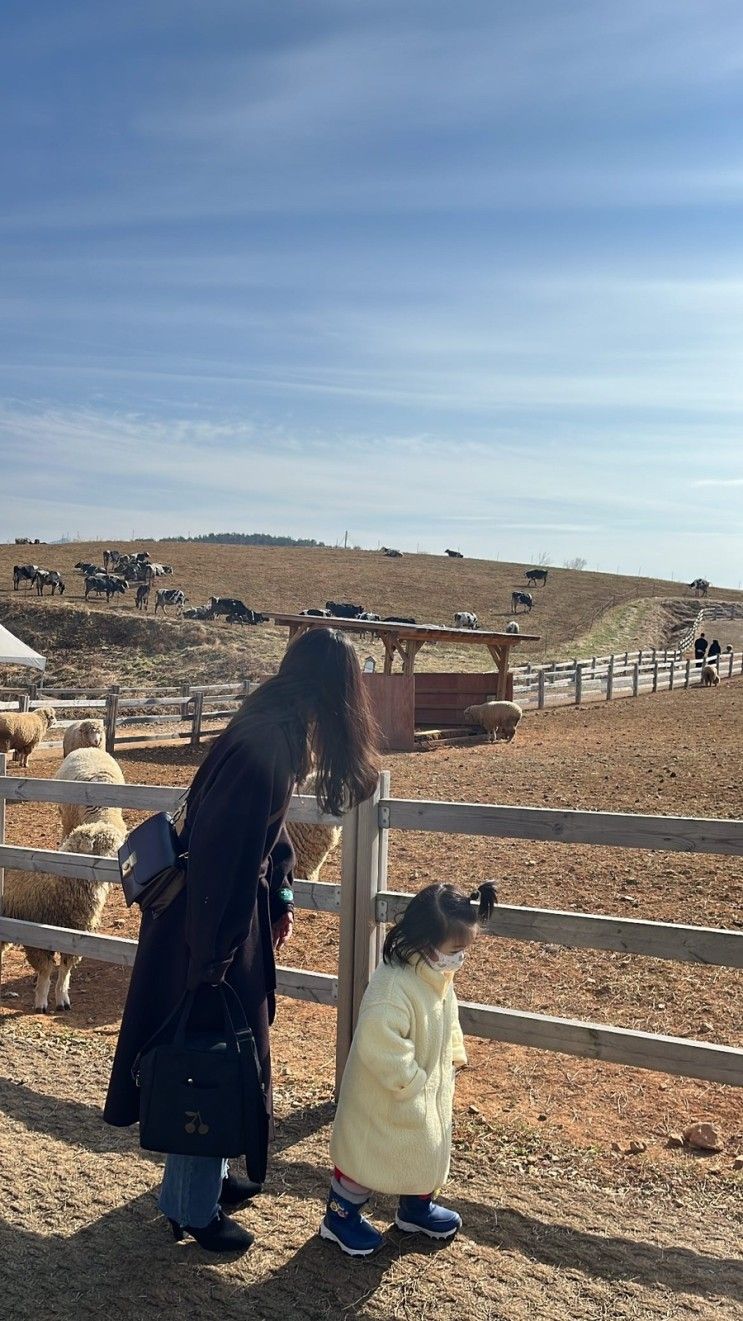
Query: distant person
700,648
713,650
728,649
392,1130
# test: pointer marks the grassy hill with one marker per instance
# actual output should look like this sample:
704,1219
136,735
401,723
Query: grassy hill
594,608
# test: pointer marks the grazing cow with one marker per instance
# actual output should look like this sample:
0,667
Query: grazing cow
24,573
393,554
343,609
397,619
151,570
49,578
316,614
454,554
227,605
466,619
248,617
105,584
23,541
521,598
142,599
165,596
700,585
534,576
89,570
111,557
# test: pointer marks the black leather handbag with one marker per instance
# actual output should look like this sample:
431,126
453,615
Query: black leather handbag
152,862
203,1094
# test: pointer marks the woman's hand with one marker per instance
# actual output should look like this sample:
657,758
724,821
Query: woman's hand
283,930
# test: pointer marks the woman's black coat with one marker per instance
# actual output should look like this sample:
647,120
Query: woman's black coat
219,927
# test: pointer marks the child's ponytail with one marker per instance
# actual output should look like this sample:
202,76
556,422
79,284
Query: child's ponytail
486,898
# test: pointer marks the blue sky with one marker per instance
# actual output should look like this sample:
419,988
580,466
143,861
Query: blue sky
441,275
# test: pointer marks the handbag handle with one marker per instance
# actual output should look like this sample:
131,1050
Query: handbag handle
182,1013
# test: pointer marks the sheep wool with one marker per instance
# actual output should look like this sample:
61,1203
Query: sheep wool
20,732
93,764
313,844
392,1129
82,734
495,718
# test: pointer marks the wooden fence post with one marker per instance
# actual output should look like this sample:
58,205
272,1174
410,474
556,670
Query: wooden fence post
610,679
687,675
730,667
112,711
671,673
578,684
24,702
636,679
198,711
368,841
540,690
655,676
344,1028
185,697
2,869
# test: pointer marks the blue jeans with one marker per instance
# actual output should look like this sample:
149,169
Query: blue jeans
190,1189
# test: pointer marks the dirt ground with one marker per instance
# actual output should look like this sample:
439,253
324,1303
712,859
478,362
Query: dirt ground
558,1223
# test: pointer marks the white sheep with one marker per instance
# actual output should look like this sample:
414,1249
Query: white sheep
82,734
512,626
313,844
495,718
95,765
710,676
61,901
21,731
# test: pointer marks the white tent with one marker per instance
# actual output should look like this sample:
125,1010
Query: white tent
15,652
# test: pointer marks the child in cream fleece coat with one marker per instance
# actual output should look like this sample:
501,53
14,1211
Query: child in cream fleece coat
392,1131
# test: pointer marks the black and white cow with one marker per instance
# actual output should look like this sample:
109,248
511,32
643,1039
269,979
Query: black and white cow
397,619
466,619
105,584
198,612
343,610
248,617
24,573
534,576
89,570
151,570
454,554
701,586
227,605
142,599
316,614
48,578
390,553
521,598
165,596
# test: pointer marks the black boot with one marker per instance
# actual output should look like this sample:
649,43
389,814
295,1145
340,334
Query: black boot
220,1235
236,1191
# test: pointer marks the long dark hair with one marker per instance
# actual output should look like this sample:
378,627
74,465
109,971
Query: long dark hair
319,697
432,916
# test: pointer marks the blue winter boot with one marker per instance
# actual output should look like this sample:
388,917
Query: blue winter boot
418,1215
345,1225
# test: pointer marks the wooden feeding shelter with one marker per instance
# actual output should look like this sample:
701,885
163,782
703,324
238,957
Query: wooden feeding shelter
407,700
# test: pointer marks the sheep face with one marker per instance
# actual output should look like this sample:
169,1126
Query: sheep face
471,716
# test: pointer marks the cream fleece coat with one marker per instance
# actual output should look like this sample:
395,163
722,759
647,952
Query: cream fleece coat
392,1129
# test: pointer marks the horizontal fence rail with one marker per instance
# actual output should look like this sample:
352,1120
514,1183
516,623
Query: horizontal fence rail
365,904
565,826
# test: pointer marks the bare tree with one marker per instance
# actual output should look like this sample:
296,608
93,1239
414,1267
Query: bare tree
543,558
578,562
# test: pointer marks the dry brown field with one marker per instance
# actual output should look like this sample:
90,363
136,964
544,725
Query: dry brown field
558,1223
99,644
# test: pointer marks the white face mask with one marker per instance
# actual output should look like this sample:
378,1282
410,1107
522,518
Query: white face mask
447,962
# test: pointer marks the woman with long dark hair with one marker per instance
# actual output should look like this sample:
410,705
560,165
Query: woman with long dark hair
237,906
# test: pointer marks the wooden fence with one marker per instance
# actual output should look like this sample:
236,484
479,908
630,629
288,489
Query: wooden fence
364,904
186,712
